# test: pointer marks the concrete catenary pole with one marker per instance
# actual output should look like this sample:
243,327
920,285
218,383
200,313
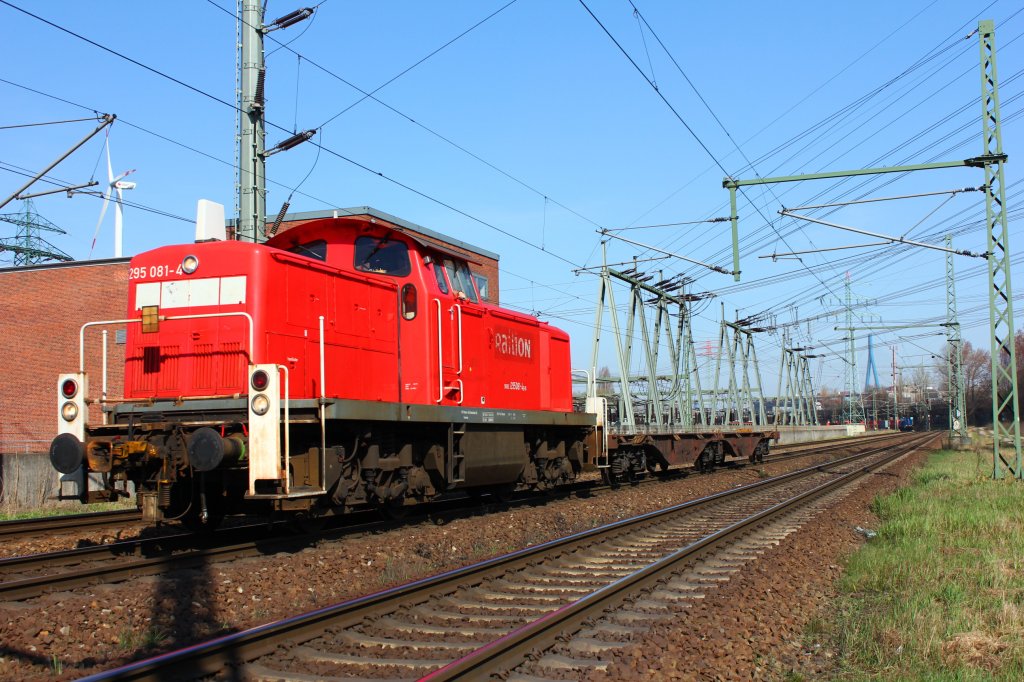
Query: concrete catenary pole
252,189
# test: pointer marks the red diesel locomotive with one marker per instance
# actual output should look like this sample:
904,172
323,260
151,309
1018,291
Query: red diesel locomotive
345,363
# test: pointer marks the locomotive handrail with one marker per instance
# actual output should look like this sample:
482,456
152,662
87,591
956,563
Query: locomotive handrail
440,354
458,308
287,425
81,332
323,413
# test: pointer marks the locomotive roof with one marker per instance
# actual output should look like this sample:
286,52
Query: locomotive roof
300,233
402,225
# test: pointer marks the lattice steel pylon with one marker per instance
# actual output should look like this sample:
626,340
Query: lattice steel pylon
27,245
1000,293
853,409
954,362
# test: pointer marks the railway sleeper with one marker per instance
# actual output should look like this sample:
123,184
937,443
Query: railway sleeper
411,627
364,641
311,655
562,663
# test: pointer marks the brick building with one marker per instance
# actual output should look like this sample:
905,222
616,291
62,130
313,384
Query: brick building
43,307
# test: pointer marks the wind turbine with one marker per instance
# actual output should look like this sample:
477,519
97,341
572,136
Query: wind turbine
117,184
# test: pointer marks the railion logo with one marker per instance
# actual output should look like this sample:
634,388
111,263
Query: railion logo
508,344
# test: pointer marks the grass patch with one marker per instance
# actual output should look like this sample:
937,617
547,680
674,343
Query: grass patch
64,510
939,593
132,640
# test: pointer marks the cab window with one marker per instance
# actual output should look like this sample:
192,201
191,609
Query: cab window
481,287
442,283
461,279
315,249
382,256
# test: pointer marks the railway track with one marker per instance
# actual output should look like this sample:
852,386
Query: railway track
30,576
566,603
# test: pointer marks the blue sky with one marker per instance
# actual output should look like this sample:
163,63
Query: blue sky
573,136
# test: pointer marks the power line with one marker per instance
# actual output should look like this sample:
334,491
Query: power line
283,129
695,136
455,145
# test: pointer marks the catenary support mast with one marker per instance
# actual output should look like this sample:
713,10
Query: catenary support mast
1005,409
252,189
954,361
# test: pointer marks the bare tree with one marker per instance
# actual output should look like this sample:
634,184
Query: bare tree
1018,349
977,383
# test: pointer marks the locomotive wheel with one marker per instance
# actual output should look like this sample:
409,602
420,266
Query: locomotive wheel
620,472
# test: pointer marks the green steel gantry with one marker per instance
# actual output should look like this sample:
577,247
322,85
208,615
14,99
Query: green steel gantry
853,408
1000,292
669,397
1004,363
795,401
954,361
741,396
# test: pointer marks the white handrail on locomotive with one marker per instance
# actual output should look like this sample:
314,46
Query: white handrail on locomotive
441,387
458,308
598,406
161,318
323,410
287,426
440,354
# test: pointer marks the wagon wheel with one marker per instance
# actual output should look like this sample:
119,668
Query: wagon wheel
308,523
393,510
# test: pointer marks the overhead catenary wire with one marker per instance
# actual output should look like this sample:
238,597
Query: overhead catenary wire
371,95
332,152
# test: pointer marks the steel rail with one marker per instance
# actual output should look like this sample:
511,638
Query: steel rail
208,657
19,527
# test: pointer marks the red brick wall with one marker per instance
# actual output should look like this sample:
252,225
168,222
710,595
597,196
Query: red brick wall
41,312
